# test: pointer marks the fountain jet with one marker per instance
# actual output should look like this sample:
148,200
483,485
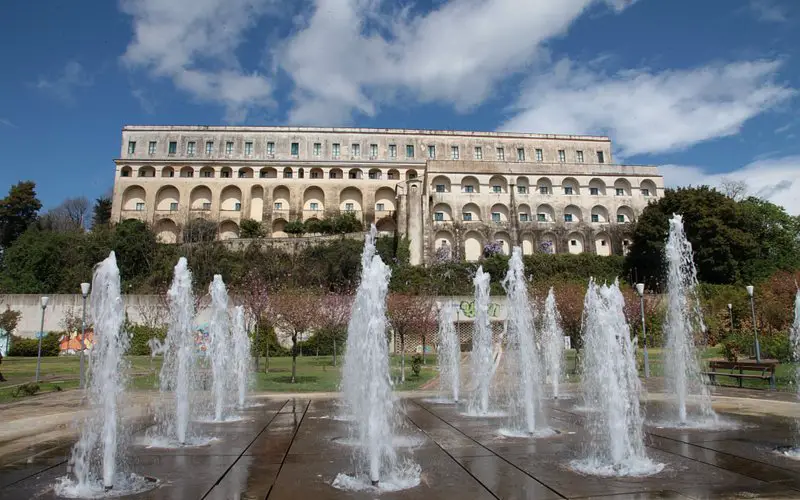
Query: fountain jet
481,359
553,343
241,355
219,349
449,354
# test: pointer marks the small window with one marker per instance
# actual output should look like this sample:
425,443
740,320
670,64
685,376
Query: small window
620,218
373,150
412,175
392,151
314,206
539,155
226,174
454,152
295,149
625,243
409,151
602,243
355,149
207,173
229,148
522,189
568,190
353,174
594,191
287,174
372,175
439,216
543,190
495,216
520,154
248,149
501,154
140,207
645,192
478,153
579,156
497,189
541,217
336,149
125,173
595,218
207,206
562,155
190,146
573,243
567,217
242,174
209,147
467,216
171,173
270,148
173,147
278,205
440,188
173,207
431,152
379,207
601,157
131,147
237,207
469,189
620,192
349,207
523,217
151,148
317,151
315,175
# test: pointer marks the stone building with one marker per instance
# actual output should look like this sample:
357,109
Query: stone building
460,190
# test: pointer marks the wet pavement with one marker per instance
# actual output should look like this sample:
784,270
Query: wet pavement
291,449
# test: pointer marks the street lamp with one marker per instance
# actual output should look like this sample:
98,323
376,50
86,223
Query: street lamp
640,291
41,334
755,330
730,314
85,292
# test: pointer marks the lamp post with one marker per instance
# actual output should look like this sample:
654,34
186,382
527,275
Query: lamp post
41,334
730,314
640,291
85,292
755,330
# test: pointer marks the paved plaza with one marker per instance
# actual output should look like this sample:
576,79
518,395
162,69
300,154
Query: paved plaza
292,448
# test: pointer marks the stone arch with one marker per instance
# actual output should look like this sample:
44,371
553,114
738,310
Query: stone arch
648,186
126,171
505,241
313,202
473,246
599,214
200,198
354,173
257,203
499,213
228,230
278,228
316,173
547,243
351,199
599,185
602,244
187,172
575,243
207,172
386,225
523,185
574,211
441,180
524,213
571,182
375,174
301,173
147,171
226,172
624,185
544,186
281,198
625,214
442,213
168,198
498,184
167,172
133,197
411,174
335,173
245,173
386,197
231,199
545,213
268,173
474,213
394,174
470,183
443,238
288,173
527,244
166,231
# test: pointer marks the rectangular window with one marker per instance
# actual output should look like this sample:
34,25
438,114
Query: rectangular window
567,217
209,147
543,190
237,207
594,191
317,151
392,151
206,206
568,190
355,149
226,173
440,188
248,149
562,155
140,207
314,206
645,192
497,189
229,148
379,207
295,149
620,192
124,173
601,157
131,147
349,207
495,216
602,243
173,147
373,150
573,243
207,173
501,154
620,218
595,218
522,189
520,154
469,189
270,148
278,205
409,151
478,153
336,149
438,216
151,148
431,152
190,148
539,155
467,216
454,152
541,217
579,155
523,217
173,207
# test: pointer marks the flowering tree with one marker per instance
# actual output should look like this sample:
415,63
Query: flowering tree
253,292
493,248
547,247
409,314
335,314
443,254
296,313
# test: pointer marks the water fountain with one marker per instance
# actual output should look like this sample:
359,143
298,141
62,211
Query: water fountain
218,351
241,355
611,387
523,359
794,340
683,322
481,358
95,461
367,387
553,343
449,355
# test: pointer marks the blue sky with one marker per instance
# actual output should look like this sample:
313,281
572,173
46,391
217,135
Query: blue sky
708,90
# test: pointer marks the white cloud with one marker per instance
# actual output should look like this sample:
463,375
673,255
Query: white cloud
769,11
63,85
7,123
776,180
649,112
193,43
352,55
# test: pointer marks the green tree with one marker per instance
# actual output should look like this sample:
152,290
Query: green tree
18,211
199,230
135,246
101,213
250,228
295,228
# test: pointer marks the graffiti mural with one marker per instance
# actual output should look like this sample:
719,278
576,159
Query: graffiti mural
70,343
468,309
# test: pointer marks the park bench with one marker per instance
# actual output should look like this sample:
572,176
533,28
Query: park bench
742,371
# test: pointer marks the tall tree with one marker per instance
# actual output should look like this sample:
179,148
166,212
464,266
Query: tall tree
70,215
101,213
18,211
296,313
254,292
409,314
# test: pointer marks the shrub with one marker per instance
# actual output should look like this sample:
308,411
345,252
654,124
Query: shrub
266,337
30,347
323,339
140,337
28,389
294,227
250,228
741,344
416,365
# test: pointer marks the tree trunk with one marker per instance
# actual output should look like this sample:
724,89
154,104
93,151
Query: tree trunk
258,345
402,358
423,349
294,356
266,362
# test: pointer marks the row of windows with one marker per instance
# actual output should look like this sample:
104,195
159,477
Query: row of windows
524,217
355,151
278,205
266,173
543,189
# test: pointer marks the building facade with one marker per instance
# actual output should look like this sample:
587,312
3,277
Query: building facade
457,190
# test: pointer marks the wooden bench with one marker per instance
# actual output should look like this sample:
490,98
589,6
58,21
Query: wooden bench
741,371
